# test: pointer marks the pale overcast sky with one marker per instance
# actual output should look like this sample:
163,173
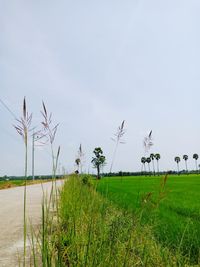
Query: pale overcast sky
96,63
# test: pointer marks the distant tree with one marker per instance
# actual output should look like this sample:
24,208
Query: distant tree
177,160
77,162
185,157
149,161
152,156
143,161
157,157
195,157
99,160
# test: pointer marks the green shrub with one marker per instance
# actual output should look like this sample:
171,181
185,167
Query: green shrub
86,179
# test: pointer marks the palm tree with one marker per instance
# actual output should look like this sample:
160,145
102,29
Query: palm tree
157,157
196,156
185,157
152,156
143,160
177,160
148,160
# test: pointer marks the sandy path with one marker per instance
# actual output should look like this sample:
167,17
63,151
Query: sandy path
11,219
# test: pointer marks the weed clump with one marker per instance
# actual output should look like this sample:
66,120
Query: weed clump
86,179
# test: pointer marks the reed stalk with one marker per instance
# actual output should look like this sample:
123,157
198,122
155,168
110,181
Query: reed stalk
118,140
23,129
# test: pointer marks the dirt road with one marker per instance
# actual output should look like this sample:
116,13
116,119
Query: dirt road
11,219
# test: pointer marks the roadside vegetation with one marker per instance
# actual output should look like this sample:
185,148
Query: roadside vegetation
48,132
89,229
146,220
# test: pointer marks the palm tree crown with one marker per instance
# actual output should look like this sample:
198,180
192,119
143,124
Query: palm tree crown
152,156
157,156
195,156
177,159
148,160
143,160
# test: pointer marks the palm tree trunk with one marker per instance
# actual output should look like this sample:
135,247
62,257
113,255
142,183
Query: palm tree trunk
178,167
144,167
149,169
186,166
153,166
196,165
157,167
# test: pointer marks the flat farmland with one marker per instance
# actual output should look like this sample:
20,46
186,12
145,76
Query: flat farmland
171,207
15,183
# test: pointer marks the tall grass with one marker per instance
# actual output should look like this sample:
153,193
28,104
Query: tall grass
23,129
92,231
118,140
50,131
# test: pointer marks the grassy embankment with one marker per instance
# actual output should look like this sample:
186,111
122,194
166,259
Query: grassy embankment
90,230
175,222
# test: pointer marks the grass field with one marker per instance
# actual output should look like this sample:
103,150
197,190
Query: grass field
172,210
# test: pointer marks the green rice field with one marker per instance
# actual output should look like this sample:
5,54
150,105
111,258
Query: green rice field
171,206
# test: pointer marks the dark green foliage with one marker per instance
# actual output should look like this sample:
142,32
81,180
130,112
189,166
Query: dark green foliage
99,160
86,179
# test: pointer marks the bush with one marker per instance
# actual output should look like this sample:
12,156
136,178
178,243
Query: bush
86,179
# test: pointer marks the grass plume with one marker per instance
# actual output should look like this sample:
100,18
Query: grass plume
118,140
23,129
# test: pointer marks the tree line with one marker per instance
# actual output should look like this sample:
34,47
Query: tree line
156,157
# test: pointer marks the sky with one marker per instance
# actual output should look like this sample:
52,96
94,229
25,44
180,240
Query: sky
95,64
